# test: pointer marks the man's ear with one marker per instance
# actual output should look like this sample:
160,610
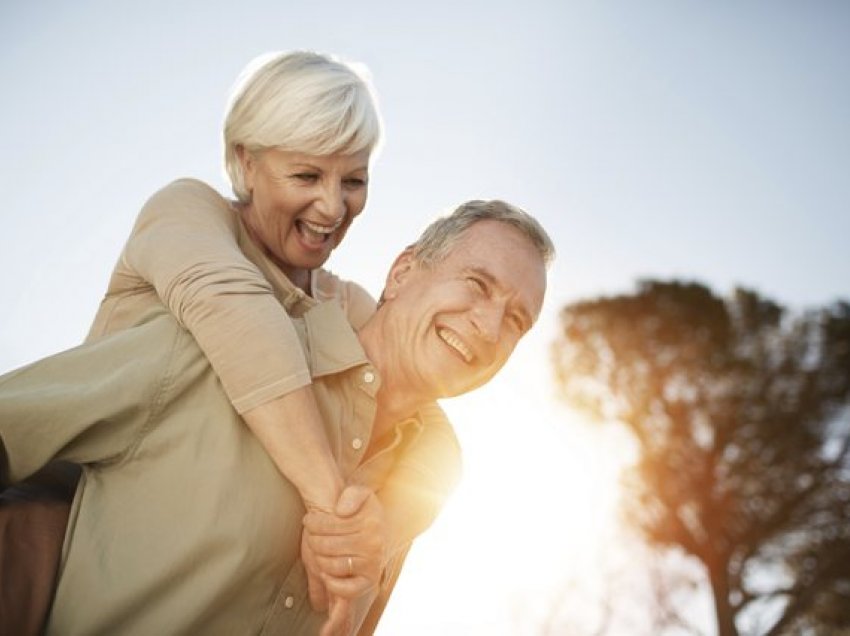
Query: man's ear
399,274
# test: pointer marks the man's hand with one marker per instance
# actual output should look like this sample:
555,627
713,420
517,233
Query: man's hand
315,585
340,620
349,547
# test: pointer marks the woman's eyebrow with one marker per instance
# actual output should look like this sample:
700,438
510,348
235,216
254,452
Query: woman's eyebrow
301,165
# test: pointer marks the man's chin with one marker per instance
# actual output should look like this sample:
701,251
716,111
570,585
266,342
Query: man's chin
458,387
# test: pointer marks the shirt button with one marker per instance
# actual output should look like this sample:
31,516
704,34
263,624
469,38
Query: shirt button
368,377
288,602
357,443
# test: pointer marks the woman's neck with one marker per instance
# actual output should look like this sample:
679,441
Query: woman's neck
299,277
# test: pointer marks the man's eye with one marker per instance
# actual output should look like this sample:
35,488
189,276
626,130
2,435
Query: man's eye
306,177
477,283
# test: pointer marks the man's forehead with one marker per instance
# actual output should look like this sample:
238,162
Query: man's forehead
506,255
496,242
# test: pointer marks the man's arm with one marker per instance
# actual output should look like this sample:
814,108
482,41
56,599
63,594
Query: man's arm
89,404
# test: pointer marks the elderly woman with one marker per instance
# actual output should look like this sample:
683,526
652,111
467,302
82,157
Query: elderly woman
298,135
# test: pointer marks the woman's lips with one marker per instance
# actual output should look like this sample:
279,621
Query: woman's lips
315,234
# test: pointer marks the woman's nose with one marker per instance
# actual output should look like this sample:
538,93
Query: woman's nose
331,204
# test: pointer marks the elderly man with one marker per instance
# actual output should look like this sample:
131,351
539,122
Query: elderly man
177,525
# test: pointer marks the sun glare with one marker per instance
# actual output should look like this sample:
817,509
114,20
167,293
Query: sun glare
535,510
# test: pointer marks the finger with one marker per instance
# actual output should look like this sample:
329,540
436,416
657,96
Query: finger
351,500
339,619
367,548
346,566
320,523
349,587
316,591
336,566
337,545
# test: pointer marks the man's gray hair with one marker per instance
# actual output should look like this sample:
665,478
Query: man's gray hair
438,238
302,102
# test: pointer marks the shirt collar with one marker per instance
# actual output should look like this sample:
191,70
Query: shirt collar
291,297
333,345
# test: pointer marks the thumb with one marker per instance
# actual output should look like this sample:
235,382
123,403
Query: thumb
339,620
351,500
316,592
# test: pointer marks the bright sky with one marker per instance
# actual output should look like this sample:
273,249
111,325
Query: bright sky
691,139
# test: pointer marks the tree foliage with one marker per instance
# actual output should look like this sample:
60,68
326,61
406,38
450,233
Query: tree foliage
740,412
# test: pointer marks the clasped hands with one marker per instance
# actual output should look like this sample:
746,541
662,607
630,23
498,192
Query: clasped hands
344,552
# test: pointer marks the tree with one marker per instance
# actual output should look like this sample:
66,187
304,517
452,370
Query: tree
741,414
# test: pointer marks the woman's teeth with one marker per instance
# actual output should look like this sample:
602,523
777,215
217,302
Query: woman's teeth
316,232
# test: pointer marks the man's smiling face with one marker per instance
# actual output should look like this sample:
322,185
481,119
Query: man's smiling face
460,318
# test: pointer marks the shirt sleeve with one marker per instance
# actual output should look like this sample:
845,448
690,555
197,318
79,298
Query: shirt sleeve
93,403
185,244
429,469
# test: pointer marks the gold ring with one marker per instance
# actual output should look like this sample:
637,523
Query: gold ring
350,566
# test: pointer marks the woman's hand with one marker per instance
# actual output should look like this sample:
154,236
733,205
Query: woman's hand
348,547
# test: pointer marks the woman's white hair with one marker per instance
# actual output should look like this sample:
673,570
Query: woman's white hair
300,102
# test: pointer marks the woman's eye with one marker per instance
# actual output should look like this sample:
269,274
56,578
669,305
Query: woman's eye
355,183
307,177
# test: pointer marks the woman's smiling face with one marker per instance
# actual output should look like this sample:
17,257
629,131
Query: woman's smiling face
302,205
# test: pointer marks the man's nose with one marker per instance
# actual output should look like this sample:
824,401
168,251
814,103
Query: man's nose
488,320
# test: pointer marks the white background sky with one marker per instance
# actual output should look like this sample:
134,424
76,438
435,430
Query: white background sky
691,139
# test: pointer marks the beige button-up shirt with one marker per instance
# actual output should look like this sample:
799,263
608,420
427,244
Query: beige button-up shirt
190,251
181,523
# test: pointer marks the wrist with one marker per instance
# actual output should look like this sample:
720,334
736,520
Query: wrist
321,495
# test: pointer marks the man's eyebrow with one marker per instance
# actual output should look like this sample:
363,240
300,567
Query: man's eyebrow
486,274
492,280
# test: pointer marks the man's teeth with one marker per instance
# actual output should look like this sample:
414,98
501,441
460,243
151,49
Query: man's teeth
455,343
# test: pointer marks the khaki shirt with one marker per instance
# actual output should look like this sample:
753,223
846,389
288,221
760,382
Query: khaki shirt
190,251
145,374
182,524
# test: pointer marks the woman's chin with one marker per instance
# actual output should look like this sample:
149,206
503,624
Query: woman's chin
310,260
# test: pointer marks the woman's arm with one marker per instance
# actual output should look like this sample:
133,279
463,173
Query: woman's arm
299,448
407,502
185,246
